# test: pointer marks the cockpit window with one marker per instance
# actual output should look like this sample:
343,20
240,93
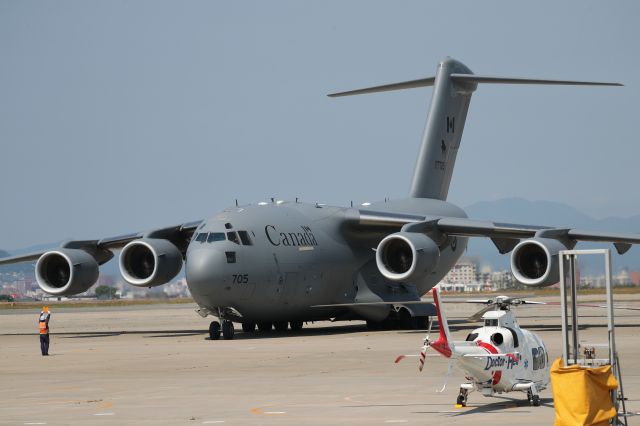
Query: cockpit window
514,335
491,323
244,237
471,337
233,237
202,237
216,236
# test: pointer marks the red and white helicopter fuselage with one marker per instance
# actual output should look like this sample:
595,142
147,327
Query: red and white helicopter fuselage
497,357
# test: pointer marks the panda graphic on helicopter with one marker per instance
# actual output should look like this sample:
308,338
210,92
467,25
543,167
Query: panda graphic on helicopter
498,357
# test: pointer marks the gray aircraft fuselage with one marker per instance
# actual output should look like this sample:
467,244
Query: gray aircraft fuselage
298,257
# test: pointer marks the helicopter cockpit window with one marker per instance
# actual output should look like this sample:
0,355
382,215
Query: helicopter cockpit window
471,337
515,337
497,338
491,323
216,236
202,237
233,237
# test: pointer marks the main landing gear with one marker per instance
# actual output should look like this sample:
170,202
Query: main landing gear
534,399
403,321
462,397
227,330
248,327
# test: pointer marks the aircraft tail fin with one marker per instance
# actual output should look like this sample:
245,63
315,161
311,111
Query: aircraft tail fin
453,84
443,344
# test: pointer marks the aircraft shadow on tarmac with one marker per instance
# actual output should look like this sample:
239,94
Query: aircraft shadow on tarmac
318,331
506,405
306,332
89,335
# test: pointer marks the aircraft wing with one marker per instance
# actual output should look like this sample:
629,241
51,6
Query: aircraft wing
504,235
102,250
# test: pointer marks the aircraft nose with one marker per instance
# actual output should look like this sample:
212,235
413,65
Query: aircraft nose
205,273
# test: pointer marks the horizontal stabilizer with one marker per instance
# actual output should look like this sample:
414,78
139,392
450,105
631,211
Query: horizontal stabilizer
468,78
422,82
473,78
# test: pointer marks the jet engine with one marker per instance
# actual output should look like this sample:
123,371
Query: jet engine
65,272
407,256
150,262
534,262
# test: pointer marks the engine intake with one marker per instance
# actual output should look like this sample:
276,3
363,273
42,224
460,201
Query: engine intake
407,256
66,272
150,262
534,262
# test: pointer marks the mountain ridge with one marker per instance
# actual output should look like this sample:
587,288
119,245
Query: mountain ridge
550,213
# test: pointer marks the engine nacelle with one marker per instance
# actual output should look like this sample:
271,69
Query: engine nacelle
407,256
150,262
534,262
65,272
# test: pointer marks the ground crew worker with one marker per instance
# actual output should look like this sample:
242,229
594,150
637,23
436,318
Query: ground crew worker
43,322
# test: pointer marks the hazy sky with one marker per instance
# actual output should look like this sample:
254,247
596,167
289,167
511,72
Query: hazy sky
119,116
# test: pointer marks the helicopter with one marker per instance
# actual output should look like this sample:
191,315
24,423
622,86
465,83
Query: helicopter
496,358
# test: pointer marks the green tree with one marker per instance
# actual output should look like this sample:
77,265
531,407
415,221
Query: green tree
104,292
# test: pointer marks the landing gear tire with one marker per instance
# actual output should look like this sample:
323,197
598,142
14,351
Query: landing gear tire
462,397
248,327
280,326
214,330
535,401
264,327
295,325
227,330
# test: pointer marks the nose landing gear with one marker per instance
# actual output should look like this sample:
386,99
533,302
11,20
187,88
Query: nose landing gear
214,330
462,397
227,330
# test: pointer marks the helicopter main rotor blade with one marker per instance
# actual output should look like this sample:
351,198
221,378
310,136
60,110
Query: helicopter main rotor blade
478,315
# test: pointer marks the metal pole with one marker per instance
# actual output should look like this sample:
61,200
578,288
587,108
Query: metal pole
612,339
574,307
613,359
563,304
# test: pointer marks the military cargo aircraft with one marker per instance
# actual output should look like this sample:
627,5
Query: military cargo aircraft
279,264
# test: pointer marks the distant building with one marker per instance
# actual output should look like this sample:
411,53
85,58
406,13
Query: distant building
463,272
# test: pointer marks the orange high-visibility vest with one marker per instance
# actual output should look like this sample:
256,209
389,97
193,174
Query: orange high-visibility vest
43,327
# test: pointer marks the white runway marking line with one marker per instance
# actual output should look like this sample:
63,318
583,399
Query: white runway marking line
275,412
35,423
103,414
210,422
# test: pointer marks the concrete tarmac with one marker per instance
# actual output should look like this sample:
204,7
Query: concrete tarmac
151,365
